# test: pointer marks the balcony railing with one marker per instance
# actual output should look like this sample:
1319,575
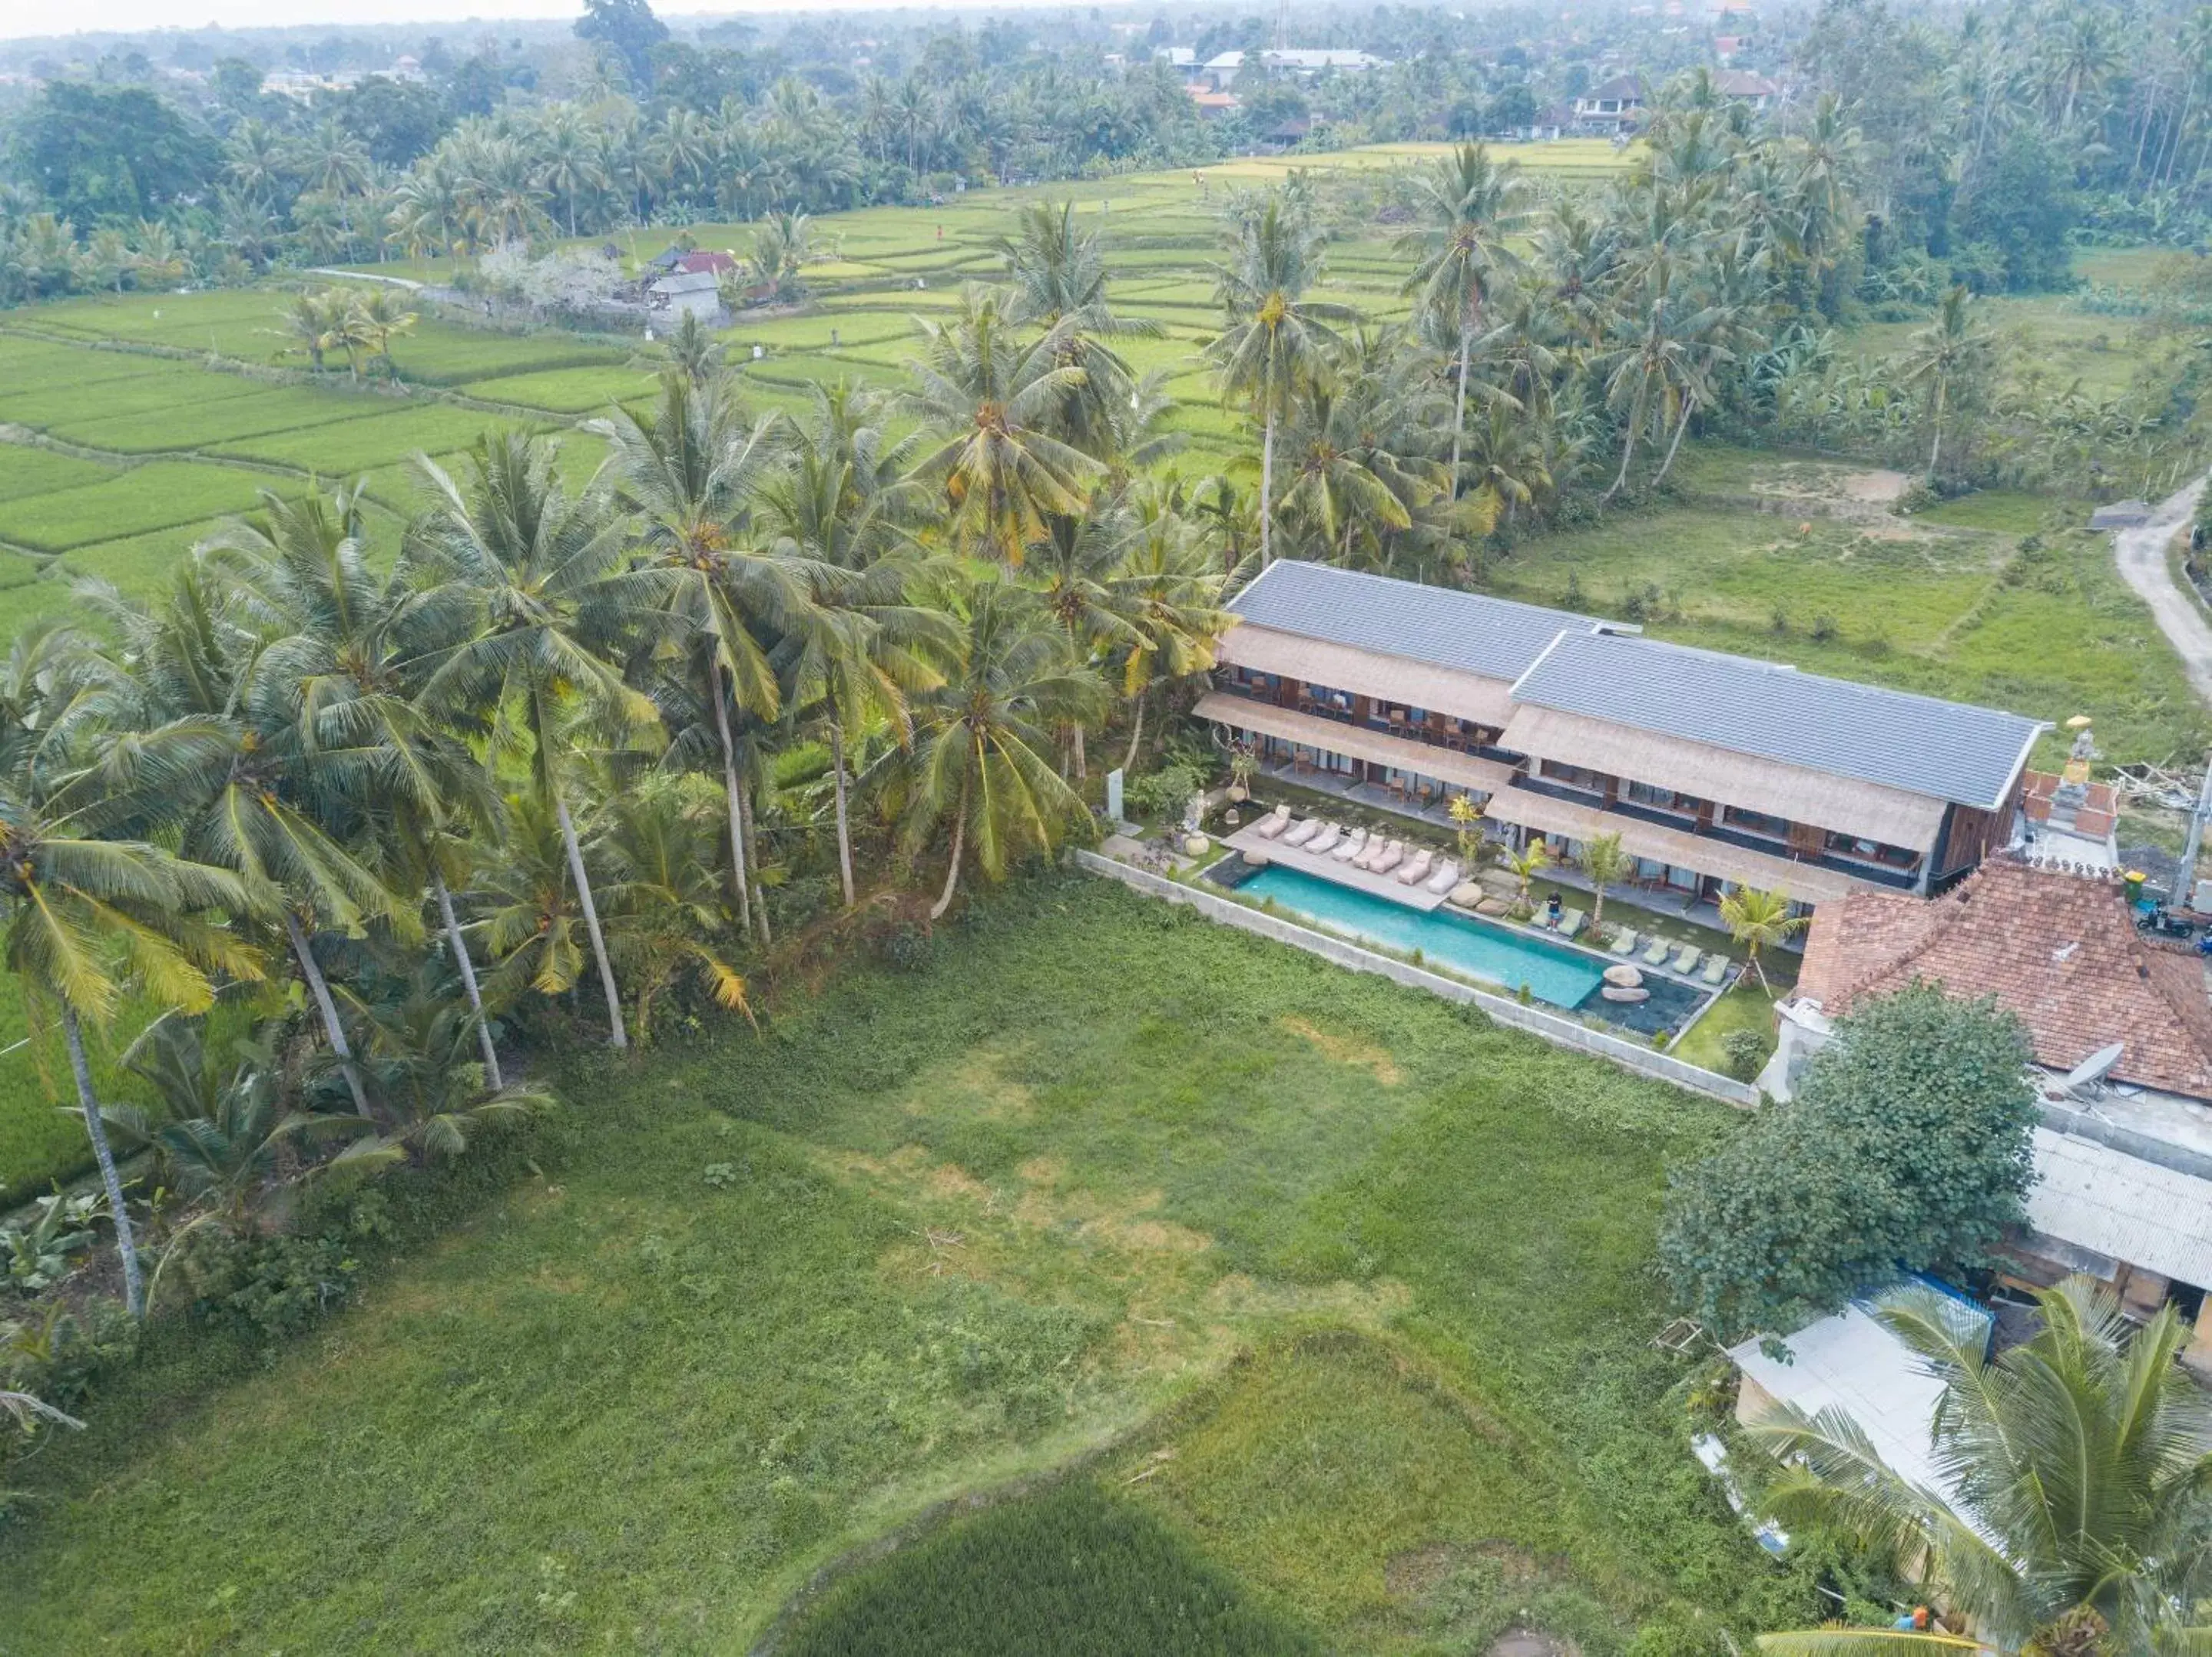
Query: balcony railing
1902,879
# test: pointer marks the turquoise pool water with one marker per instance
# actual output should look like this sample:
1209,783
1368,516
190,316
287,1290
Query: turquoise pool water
1561,977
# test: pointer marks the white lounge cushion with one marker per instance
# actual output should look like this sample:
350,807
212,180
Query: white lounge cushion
1301,832
1445,877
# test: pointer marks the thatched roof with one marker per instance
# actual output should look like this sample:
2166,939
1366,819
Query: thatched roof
1355,742
1396,678
1746,781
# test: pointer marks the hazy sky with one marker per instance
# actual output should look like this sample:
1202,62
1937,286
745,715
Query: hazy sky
19,18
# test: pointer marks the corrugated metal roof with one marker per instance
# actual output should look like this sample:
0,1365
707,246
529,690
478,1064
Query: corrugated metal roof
2122,1207
1947,750
1851,1362
1467,631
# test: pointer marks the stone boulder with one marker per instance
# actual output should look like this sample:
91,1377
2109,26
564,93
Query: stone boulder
1494,906
1465,895
1622,992
1622,976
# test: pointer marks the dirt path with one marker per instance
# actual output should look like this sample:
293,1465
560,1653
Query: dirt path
2141,555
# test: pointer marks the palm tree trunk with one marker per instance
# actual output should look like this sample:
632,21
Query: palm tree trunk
740,881
460,949
959,842
1267,486
617,1033
752,858
1627,449
1689,408
844,830
319,987
1082,768
1935,448
126,1245
1136,733
1459,413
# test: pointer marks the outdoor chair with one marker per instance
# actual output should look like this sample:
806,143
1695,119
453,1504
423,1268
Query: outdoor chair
1326,841
1393,853
1301,832
1687,961
1624,940
1352,845
1657,954
1571,923
1416,868
1717,969
1442,878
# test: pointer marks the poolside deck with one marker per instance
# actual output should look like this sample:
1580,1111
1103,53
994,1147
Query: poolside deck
1326,867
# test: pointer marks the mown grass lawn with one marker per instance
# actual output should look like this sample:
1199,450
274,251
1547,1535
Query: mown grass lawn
1350,1291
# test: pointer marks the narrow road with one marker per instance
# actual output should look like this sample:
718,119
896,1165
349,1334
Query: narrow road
2141,555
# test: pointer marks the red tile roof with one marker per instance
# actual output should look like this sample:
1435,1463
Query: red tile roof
693,265
2060,951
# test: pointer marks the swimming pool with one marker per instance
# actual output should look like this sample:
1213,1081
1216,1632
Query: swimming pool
1561,977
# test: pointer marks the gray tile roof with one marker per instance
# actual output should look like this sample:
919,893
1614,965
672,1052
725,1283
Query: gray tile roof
1939,749
1442,626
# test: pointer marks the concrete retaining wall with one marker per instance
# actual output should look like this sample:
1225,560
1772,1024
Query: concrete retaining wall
1561,1032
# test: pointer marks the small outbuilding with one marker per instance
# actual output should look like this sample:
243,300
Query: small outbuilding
688,293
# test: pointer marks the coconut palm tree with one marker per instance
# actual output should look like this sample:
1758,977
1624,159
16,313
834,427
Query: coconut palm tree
283,808
994,402
980,758
1527,863
1952,346
1078,571
1471,208
1056,275
346,648
529,554
1275,340
2074,1520
1760,922
689,473
656,846
89,904
1171,585
1605,861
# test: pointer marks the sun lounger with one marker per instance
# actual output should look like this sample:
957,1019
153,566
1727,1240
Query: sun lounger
1353,844
1415,868
1392,855
1442,878
1686,962
1325,841
1572,922
1657,954
1624,941
1274,822
1299,834
1717,969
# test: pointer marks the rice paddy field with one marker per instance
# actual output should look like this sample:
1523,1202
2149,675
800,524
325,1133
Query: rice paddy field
132,426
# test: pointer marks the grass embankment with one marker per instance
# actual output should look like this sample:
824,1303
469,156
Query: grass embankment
934,1231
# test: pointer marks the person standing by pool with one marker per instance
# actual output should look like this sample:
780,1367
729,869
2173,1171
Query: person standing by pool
1551,915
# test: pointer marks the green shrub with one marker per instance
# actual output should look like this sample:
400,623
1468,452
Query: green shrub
1743,1053
269,1287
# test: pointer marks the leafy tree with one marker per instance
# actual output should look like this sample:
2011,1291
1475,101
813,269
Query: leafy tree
2077,1522
1906,1148
110,152
629,30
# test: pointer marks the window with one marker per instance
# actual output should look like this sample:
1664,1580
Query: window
1574,776
1871,850
1665,799
1756,823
